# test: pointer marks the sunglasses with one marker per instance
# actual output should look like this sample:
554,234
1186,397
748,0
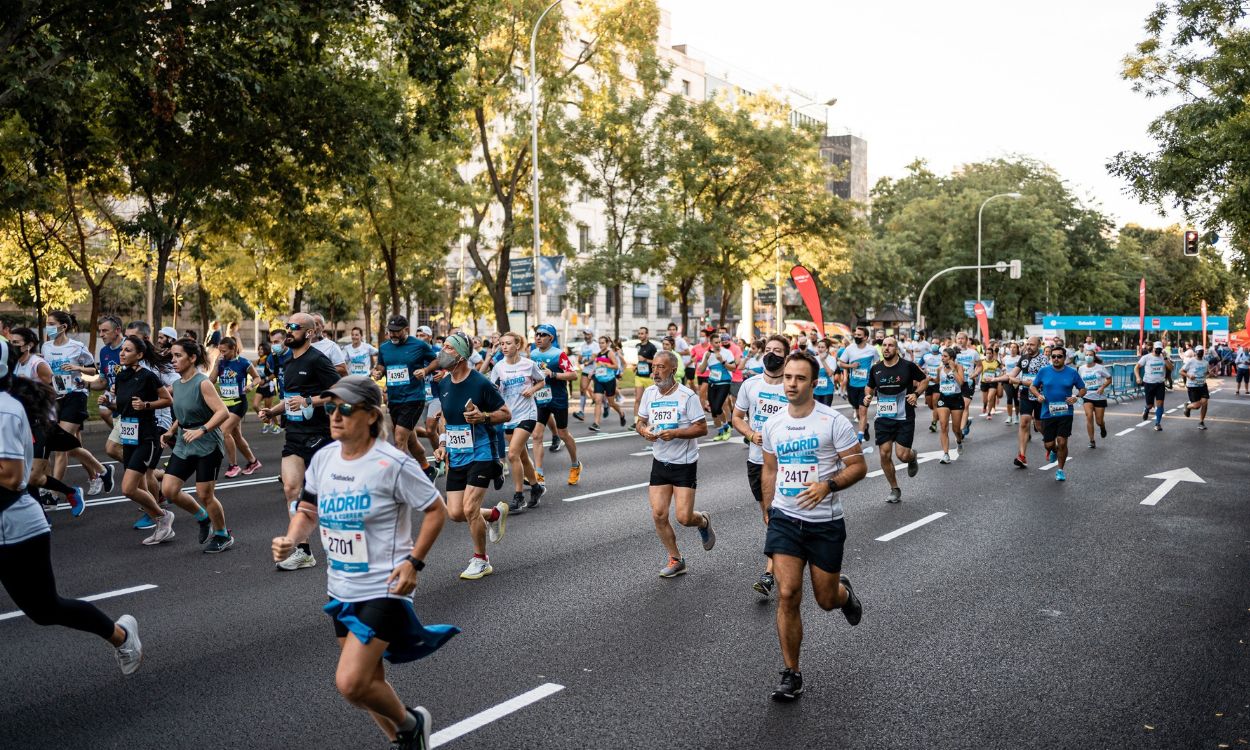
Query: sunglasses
345,409
1058,356
294,327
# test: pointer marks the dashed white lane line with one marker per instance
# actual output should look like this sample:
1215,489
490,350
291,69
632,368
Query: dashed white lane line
910,527
189,490
495,713
1053,464
1122,433
1217,390
92,598
601,493
1174,408
1142,424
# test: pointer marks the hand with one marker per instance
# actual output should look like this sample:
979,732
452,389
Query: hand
403,579
295,403
811,497
472,414
136,403
646,433
192,435
440,375
1071,399
757,438
667,435
102,400
911,399
282,547
168,440
707,407
441,453
264,413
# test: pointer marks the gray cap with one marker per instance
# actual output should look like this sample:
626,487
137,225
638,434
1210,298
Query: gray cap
426,330
357,390
169,332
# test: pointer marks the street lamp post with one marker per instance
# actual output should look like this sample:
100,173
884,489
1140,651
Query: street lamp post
826,105
538,283
979,210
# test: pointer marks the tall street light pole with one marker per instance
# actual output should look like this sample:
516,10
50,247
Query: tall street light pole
538,283
979,210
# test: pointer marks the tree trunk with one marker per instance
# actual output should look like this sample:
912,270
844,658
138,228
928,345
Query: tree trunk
724,302
683,289
34,264
94,291
202,299
366,305
616,313
164,250
297,301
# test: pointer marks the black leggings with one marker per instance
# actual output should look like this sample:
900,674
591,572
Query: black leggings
26,572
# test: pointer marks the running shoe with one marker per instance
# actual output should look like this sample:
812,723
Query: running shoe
1202,425
298,559
1158,427
556,443
593,428
479,567
575,473
536,491
275,430
495,529
1052,457
1007,420
967,428
418,738
1102,430
144,523
1060,476
676,566
218,543
252,467
233,470
1092,444
164,529
933,427
96,485
765,584
946,458
580,417
130,653
790,687
206,530
1021,461
76,502
622,419
606,409
1187,411
1145,414
988,417
706,534
431,472
517,502
867,433
264,428
913,467
896,496
47,499
853,610
107,479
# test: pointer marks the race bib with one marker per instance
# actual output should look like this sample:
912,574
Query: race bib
1198,377
429,391
644,369
1092,380
295,410
1155,369
459,438
859,374
543,396
822,381
397,375
230,390
766,405
358,367
795,472
948,388
604,374
888,407
665,415
1059,408
130,431
347,547
931,370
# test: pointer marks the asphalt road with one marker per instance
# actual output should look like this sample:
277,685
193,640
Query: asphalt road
1031,614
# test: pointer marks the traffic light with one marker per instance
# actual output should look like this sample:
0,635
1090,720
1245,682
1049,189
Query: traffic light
1014,269
1191,242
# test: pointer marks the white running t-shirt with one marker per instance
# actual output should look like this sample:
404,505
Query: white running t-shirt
807,451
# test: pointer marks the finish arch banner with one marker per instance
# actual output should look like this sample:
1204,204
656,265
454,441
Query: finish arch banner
806,284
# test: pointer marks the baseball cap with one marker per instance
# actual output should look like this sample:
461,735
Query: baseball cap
169,332
1199,348
587,330
426,330
1158,345
546,328
397,323
356,389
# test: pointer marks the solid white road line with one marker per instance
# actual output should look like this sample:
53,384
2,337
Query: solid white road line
910,527
1122,433
92,598
477,721
1053,464
605,492
1217,390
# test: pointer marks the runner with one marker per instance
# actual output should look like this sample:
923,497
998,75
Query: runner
1241,361
971,361
1194,373
931,363
829,370
280,354
857,359
760,398
140,392
231,377
306,375
553,401
109,331
263,395
754,364
470,439
1152,371
950,399
327,346
70,361
1053,387
360,354
810,453
196,439
991,369
374,561
671,418
608,365
1097,380
642,370
719,363
1010,360
519,379
587,350
897,384
1031,362
26,572
407,361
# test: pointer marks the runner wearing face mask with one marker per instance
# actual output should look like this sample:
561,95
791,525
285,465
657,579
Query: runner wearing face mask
1097,380
1032,360
857,359
1153,370
1194,373
760,398
931,363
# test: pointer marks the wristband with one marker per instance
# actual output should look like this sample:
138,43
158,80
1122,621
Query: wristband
417,565
442,439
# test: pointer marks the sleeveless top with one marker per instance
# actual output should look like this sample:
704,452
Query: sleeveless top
193,413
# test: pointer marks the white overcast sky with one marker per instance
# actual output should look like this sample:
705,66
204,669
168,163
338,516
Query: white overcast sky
953,82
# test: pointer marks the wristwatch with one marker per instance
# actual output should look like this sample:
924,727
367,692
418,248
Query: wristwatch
417,565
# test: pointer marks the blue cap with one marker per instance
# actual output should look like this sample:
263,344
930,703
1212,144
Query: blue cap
546,328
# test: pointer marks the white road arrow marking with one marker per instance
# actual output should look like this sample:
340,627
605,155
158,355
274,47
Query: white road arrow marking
1170,480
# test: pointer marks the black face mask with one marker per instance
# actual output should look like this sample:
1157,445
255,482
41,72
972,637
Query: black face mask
773,362
859,340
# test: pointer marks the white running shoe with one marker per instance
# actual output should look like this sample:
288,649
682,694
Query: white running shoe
298,559
164,529
946,458
495,529
130,653
96,485
478,568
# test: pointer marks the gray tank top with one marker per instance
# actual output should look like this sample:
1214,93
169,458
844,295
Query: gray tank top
193,413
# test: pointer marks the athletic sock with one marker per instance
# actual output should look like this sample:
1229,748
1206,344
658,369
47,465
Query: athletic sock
1158,413
56,485
408,724
221,533
307,550
201,515
494,515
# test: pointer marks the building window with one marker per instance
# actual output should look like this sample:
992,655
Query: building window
586,305
521,302
583,239
583,195
640,307
685,88
609,303
663,307
555,303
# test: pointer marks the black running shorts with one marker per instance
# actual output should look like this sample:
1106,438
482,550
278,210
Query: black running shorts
819,543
